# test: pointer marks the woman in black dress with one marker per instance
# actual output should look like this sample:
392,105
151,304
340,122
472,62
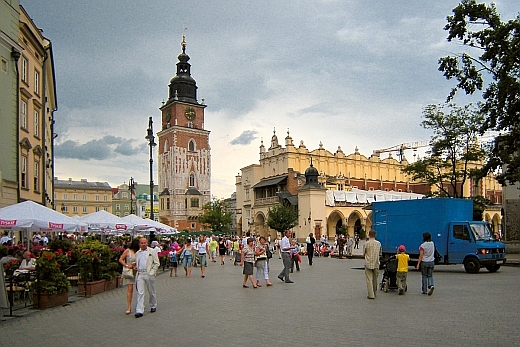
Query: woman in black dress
222,249
310,247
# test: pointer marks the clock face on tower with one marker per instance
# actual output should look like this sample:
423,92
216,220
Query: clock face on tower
189,112
168,115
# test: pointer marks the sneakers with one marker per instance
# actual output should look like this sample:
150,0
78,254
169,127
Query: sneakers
430,290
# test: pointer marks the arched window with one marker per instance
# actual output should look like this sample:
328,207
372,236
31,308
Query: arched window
191,146
192,179
165,146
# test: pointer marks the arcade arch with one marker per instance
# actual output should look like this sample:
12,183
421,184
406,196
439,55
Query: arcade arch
355,223
334,223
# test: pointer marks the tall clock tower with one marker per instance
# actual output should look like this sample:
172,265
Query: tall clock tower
184,152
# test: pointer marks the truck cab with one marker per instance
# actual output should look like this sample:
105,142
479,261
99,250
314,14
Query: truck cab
472,244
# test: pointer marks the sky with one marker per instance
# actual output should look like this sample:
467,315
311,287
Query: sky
346,73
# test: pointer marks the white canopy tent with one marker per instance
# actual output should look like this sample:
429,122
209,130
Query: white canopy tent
33,217
162,228
103,222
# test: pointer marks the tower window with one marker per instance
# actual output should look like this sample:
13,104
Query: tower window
191,146
192,179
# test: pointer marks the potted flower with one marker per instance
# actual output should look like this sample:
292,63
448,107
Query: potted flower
11,266
51,287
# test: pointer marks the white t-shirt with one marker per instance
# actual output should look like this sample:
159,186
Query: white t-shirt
428,249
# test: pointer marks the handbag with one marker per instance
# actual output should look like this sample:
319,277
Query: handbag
268,253
128,273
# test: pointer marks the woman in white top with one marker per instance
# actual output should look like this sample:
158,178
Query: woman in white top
28,262
128,260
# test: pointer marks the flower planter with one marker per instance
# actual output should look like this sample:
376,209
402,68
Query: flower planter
110,284
44,300
94,287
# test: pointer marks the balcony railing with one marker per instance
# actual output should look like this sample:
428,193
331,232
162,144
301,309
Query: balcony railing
267,201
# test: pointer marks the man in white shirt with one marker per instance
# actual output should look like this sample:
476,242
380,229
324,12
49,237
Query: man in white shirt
147,263
285,248
5,239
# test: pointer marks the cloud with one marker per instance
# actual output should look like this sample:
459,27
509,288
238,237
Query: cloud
105,148
245,138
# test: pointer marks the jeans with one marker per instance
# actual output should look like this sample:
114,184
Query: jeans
294,260
427,275
262,267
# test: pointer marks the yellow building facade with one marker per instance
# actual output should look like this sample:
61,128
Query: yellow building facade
349,182
37,102
79,198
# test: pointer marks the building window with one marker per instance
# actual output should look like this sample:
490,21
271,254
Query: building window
23,114
36,123
75,197
84,209
97,197
84,197
247,194
167,203
124,195
193,225
36,82
127,207
191,146
64,209
118,207
190,124
5,65
36,176
118,214
192,179
126,214
105,198
105,209
75,209
97,208
65,196
25,65
23,170
194,202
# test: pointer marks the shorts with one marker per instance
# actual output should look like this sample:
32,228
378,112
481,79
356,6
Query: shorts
173,264
187,260
248,268
202,260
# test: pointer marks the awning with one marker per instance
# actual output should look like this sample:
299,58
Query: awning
270,181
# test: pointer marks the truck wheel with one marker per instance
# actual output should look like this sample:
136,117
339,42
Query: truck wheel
493,268
472,265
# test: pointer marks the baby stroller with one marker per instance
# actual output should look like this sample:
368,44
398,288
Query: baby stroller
389,280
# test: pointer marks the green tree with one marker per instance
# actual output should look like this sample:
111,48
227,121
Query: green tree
282,217
479,205
454,148
216,215
496,44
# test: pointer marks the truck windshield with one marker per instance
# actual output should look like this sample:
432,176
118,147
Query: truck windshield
481,232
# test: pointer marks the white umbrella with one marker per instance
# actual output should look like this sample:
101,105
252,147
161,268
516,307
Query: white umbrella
161,227
140,224
102,220
31,216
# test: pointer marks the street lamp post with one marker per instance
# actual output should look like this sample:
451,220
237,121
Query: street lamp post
131,184
152,144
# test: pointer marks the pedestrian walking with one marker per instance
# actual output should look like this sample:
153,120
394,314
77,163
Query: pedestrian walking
262,262
247,261
402,269
310,241
426,263
372,252
128,260
285,249
146,267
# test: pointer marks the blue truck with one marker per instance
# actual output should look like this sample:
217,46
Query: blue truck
457,239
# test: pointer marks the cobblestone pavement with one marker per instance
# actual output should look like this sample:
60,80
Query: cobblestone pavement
326,306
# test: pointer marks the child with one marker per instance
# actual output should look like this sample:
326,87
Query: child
402,268
295,257
172,255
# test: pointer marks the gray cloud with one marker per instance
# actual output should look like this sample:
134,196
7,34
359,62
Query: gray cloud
105,148
245,138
